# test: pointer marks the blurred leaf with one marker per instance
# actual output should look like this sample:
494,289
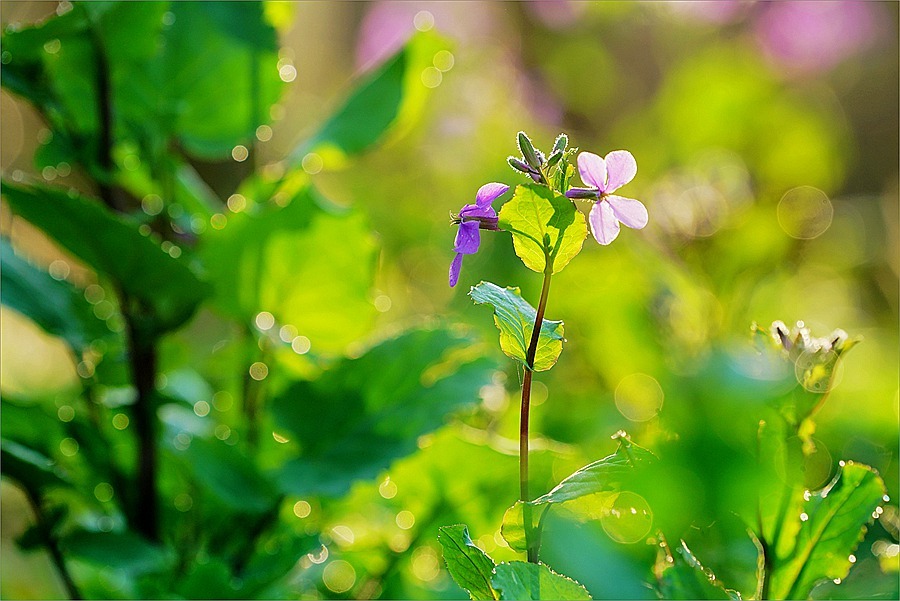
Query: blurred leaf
600,476
209,580
229,475
266,261
56,306
121,551
470,567
680,575
34,471
121,253
361,415
514,318
392,95
513,527
543,224
520,580
29,425
836,523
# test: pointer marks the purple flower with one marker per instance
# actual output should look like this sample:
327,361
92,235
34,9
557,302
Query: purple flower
471,219
606,175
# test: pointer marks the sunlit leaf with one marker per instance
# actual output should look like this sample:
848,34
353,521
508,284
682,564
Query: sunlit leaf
121,253
832,524
514,318
56,306
520,580
361,415
513,527
543,224
680,575
470,567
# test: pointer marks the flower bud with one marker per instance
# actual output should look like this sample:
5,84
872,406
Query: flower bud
528,152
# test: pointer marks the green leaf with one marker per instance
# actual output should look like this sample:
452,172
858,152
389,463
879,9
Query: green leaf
31,469
56,306
520,580
120,551
361,415
115,248
391,96
836,520
543,224
513,527
514,318
470,567
600,476
265,261
680,575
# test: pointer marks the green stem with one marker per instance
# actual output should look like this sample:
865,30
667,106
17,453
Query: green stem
532,541
52,546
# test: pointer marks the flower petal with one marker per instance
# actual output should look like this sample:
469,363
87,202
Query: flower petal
592,168
604,224
488,193
468,238
477,211
455,267
629,211
621,167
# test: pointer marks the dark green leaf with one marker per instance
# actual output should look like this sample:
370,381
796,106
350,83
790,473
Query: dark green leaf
361,415
520,580
56,306
543,224
680,575
117,251
515,320
831,526
121,551
34,471
470,567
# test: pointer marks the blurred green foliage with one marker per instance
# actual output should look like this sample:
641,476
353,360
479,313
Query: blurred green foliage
322,410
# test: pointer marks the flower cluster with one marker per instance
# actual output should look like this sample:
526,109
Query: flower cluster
601,175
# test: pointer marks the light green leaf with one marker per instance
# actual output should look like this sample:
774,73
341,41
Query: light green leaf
515,320
835,523
116,250
543,224
360,416
600,476
513,526
520,580
470,567
56,306
265,259
392,96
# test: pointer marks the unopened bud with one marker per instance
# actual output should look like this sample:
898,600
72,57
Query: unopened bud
528,152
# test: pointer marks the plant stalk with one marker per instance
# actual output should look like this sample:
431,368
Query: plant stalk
531,537
52,546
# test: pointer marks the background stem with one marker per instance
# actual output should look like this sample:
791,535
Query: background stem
531,540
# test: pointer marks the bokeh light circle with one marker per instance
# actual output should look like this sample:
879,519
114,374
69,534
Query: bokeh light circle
628,519
805,212
339,576
639,397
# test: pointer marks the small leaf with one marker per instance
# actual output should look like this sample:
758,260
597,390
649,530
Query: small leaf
600,476
543,224
520,580
680,575
31,469
56,306
513,527
470,567
835,523
115,249
515,320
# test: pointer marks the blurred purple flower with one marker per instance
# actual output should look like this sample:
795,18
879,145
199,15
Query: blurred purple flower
557,14
606,175
471,219
812,36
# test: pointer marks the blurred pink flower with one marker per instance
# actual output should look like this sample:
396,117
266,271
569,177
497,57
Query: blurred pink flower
557,14
812,36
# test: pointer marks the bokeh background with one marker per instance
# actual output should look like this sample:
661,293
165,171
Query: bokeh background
766,136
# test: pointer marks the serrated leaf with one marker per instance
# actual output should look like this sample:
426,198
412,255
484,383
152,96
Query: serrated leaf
470,567
543,224
114,248
600,476
56,306
836,520
520,580
514,318
680,575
